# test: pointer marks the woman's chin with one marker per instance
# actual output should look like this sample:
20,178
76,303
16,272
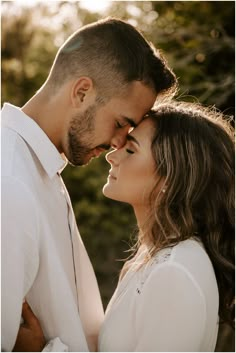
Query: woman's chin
108,193
104,190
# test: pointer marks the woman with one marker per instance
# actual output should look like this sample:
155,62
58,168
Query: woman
177,171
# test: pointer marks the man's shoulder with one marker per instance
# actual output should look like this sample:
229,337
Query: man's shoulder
13,187
16,155
9,148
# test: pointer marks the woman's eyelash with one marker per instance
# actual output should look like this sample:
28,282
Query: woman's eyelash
129,151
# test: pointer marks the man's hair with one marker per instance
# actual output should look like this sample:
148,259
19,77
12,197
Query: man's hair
112,53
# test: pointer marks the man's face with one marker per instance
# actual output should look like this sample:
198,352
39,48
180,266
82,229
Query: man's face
99,127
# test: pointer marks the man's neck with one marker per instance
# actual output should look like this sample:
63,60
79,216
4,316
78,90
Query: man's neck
47,113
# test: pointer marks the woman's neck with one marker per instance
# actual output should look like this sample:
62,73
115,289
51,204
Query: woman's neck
141,214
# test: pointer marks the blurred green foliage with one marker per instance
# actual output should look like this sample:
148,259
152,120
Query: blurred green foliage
197,38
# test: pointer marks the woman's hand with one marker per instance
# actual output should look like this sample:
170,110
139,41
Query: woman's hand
30,337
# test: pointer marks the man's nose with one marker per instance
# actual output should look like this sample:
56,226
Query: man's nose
119,138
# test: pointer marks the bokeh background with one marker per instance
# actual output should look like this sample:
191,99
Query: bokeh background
197,38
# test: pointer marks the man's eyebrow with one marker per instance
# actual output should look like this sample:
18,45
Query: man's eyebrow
132,138
130,121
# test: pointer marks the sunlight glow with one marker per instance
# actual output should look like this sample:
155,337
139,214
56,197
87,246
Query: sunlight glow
95,6
90,5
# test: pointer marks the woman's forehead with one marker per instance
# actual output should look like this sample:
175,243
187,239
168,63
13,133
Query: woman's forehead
144,128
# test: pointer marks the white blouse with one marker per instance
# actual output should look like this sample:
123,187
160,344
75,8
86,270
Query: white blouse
170,304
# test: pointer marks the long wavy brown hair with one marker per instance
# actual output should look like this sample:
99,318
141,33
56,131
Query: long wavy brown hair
193,147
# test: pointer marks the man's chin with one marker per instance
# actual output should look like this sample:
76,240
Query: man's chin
81,163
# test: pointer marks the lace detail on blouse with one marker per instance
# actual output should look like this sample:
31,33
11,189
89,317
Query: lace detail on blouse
160,257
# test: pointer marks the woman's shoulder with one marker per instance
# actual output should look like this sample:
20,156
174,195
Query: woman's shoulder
192,255
187,253
187,260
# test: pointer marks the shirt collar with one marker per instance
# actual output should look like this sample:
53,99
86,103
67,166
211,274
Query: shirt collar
14,118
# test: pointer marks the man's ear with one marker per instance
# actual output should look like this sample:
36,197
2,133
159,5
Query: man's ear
81,91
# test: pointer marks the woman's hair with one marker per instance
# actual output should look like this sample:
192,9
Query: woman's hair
112,53
193,148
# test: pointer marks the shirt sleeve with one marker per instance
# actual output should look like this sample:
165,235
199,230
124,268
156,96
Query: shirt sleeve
55,345
20,258
171,312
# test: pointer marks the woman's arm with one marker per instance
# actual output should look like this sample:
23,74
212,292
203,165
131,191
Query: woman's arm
30,336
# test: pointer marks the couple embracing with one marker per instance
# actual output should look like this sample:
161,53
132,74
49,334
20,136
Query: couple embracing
173,162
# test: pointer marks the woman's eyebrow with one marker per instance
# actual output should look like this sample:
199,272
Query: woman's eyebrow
132,138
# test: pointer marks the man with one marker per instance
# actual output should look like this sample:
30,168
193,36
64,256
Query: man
104,79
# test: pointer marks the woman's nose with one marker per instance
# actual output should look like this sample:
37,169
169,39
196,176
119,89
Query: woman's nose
119,138
111,157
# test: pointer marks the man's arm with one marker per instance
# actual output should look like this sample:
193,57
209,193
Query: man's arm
20,259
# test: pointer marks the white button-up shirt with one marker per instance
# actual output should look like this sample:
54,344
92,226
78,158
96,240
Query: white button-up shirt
43,257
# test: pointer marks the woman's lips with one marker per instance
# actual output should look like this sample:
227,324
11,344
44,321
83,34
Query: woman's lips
111,176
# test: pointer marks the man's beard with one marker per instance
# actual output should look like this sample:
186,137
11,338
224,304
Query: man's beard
81,125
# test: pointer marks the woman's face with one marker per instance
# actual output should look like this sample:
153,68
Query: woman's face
132,174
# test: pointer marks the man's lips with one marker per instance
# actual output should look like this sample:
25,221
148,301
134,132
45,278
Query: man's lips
97,151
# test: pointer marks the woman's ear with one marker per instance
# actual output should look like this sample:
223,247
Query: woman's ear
163,186
82,90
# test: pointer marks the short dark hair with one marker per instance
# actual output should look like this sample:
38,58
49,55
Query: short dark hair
112,53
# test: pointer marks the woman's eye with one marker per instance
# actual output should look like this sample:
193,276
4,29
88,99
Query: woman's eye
129,151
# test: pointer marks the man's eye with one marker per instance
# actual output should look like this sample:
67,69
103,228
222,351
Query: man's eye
129,151
119,125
